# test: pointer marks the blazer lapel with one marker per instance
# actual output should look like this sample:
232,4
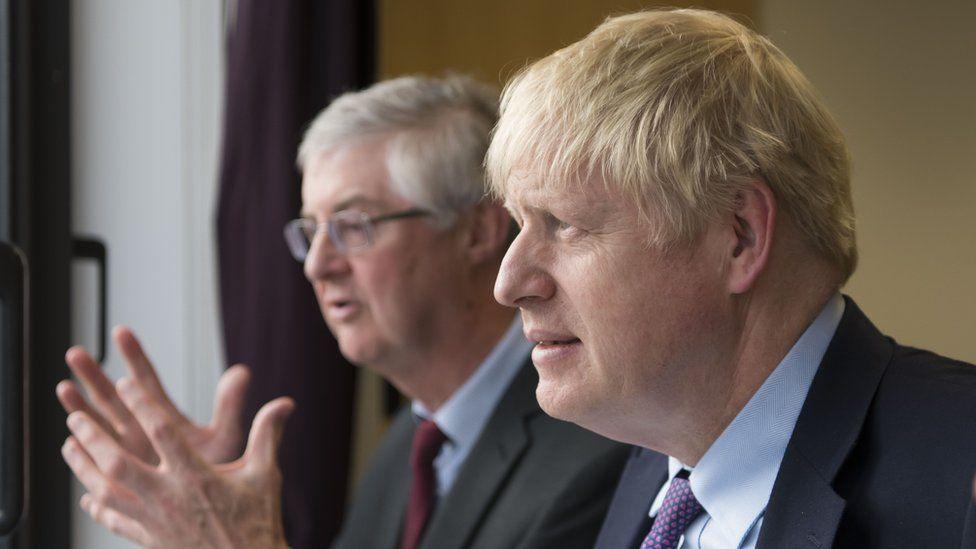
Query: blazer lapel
627,521
483,474
804,510
389,523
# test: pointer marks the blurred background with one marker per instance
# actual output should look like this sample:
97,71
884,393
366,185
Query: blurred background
146,170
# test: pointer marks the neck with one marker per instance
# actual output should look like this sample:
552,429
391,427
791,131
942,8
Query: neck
766,325
453,355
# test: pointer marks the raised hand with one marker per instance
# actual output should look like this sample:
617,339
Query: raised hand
218,442
183,501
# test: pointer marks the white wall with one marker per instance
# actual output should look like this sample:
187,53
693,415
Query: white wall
146,104
900,77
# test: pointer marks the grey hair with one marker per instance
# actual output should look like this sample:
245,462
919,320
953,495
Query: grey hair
438,129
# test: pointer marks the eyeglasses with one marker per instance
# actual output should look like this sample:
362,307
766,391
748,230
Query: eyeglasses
350,231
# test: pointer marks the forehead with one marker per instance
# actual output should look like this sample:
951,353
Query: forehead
354,175
525,190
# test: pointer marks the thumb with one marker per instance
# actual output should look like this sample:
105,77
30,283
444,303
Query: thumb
229,400
266,431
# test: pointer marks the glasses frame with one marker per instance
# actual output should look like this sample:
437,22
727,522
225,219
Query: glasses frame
297,238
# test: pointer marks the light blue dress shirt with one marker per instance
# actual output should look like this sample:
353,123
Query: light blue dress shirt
735,477
463,416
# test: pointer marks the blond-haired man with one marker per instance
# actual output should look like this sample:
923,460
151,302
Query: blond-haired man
686,226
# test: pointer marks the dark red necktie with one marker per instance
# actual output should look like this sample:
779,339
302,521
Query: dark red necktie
427,441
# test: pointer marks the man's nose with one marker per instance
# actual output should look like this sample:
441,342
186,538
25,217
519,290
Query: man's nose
523,277
324,260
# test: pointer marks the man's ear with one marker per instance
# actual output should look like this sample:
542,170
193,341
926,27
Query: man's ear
488,232
751,235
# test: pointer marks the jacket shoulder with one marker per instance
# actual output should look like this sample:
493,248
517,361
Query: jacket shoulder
915,456
924,380
910,363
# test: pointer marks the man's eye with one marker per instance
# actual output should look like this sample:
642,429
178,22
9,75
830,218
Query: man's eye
349,226
563,228
570,231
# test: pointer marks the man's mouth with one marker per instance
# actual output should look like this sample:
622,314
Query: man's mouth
552,347
550,337
342,309
557,342
551,353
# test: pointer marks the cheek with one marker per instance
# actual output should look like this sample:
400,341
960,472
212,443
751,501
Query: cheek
640,317
394,288
606,298
377,284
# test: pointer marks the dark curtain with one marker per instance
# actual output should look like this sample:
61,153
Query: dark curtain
285,61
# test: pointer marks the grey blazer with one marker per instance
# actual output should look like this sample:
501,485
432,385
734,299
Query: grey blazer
529,482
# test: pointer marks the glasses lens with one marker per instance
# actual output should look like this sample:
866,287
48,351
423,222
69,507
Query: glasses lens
299,234
349,230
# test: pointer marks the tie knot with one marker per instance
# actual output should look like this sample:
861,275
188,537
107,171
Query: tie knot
427,441
679,509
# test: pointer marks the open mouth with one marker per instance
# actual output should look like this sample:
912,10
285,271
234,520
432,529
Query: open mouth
555,352
557,343
342,309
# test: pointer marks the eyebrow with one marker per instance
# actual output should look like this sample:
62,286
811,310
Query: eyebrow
585,214
354,200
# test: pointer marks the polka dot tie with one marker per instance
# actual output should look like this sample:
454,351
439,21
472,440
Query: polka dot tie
678,510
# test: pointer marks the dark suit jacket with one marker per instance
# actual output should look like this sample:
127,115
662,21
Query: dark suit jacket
529,482
882,455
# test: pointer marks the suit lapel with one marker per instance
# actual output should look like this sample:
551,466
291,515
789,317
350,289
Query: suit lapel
627,521
806,514
389,524
501,444
804,510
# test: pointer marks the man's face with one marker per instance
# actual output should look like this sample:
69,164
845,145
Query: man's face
380,302
624,329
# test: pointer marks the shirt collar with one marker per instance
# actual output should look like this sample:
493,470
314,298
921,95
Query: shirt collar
465,413
734,479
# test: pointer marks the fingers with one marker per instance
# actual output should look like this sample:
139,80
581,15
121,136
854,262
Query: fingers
140,366
105,491
100,389
72,401
158,424
115,521
114,463
229,399
266,431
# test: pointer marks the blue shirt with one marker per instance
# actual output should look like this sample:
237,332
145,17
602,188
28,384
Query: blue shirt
735,477
464,414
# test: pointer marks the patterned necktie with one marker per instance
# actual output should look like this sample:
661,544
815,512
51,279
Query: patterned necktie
427,441
678,510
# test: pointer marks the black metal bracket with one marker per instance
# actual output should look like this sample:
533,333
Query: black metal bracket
94,250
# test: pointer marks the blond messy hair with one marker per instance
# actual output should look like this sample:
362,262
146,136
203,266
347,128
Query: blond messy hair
678,109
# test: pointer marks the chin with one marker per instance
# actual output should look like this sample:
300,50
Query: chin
558,400
357,352
577,403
